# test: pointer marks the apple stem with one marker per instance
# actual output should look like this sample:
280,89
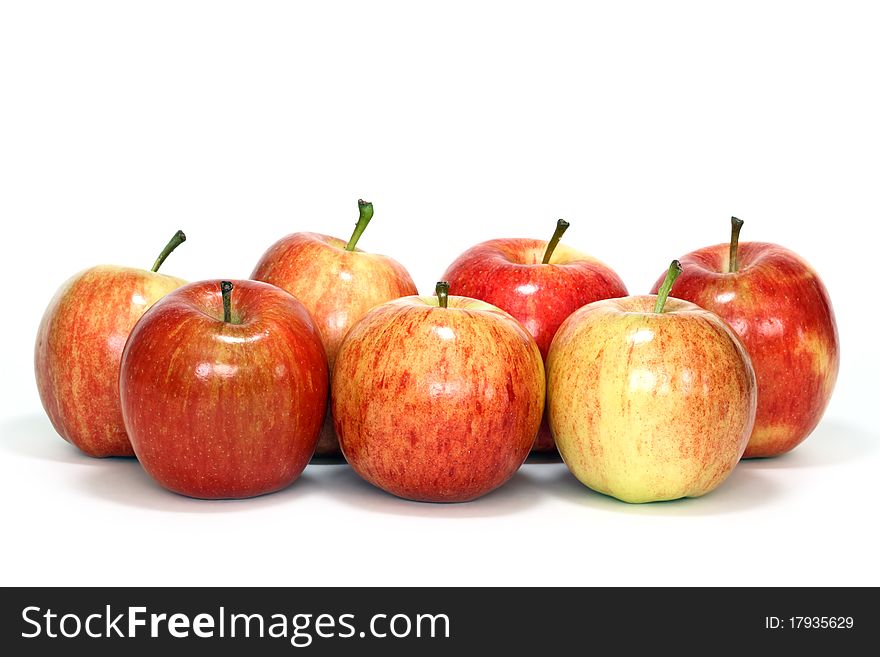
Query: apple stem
561,226
365,213
226,291
735,226
442,290
663,292
178,239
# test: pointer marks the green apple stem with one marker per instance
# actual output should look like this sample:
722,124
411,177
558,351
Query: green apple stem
561,226
663,292
178,239
226,291
365,213
442,290
735,226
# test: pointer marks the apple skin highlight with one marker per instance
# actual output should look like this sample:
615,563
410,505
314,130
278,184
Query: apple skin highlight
649,406
220,409
778,306
509,274
437,404
79,347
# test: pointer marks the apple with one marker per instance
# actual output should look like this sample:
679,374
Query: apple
437,399
338,283
777,305
224,387
79,346
649,398
539,283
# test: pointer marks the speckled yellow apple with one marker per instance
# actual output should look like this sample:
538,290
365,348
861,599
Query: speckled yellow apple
650,398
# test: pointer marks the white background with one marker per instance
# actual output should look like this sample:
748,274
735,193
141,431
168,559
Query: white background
645,124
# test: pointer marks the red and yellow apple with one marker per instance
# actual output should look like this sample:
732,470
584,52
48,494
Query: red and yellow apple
649,399
337,282
778,306
224,388
79,346
540,283
437,399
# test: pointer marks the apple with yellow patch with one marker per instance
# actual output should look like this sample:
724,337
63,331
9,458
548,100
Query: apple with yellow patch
79,348
338,283
778,306
649,398
437,399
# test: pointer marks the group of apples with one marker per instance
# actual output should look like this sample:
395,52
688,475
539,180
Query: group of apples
227,388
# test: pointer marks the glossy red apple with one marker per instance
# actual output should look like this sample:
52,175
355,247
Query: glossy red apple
79,345
540,283
337,282
223,388
649,399
437,399
779,308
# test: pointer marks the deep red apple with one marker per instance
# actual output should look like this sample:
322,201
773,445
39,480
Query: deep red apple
540,283
337,282
79,345
437,399
778,306
223,388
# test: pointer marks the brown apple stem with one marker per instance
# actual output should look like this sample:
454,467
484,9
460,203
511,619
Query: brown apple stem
442,290
365,213
178,239
561,226
735,226
226,291
663,292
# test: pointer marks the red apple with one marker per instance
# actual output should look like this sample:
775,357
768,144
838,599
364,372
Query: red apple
779,308
338,283
224,387
537,282
649,399
79,345
437,399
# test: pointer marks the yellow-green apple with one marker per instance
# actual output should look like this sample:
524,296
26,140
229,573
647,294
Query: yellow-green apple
338,283
437,399
540,283
649,399
224,387
777,305
79,345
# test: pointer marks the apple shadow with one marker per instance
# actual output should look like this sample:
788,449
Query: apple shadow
34,437
121,479
744,489
341,483
833,442
128,484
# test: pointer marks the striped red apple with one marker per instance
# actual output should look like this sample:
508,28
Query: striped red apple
437,399
779,307
79,346
223,387
337,282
